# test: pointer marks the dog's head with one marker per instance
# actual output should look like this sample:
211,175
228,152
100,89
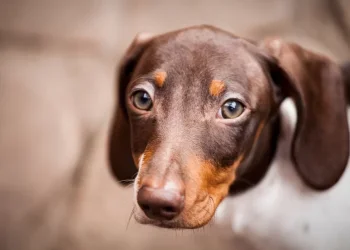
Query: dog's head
198,109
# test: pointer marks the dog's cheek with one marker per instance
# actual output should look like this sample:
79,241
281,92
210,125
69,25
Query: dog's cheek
207,186
205,179
216,180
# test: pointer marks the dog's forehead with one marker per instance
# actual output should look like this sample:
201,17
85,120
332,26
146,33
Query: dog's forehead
204,51
204,44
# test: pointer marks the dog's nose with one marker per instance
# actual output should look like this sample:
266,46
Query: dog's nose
159,203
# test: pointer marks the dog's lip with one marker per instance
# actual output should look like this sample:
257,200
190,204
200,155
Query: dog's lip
169,224
173,224
143,219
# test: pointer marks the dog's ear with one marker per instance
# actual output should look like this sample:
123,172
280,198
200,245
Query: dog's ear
321,141
346,75
120,157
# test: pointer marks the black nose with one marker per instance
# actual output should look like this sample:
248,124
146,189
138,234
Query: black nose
160,204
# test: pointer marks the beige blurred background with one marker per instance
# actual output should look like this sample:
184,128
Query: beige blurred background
58,61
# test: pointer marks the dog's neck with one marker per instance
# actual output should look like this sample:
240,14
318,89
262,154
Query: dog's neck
257,162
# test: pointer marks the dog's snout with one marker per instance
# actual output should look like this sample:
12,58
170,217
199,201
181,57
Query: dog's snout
160,203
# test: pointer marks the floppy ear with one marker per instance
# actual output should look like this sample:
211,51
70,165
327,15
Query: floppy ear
321,140
120,157
346,74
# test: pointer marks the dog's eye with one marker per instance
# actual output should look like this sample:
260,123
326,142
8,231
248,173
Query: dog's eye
231,109
142,100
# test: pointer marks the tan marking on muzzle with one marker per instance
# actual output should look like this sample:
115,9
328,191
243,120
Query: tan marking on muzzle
209,185
216,88
217,180
143,161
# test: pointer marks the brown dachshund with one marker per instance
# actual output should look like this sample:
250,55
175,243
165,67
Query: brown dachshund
198,115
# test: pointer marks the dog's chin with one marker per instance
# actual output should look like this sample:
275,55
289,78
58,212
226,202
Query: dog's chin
178,223
173,224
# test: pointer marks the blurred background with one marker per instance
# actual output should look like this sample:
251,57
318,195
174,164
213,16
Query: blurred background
58,62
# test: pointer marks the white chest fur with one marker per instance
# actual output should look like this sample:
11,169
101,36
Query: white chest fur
282,212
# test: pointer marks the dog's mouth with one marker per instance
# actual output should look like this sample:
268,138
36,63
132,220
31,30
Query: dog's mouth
192,217
175,201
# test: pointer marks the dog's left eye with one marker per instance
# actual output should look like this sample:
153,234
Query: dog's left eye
142,100
231,109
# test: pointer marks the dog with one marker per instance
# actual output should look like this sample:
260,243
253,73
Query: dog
203,113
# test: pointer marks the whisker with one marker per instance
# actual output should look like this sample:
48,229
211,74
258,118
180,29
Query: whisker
130,181
134,176
130,185
127,180
130,216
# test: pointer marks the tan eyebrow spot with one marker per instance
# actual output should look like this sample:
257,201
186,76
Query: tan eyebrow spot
159,78
216,87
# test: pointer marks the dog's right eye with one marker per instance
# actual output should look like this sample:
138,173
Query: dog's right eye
231,109
142,100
